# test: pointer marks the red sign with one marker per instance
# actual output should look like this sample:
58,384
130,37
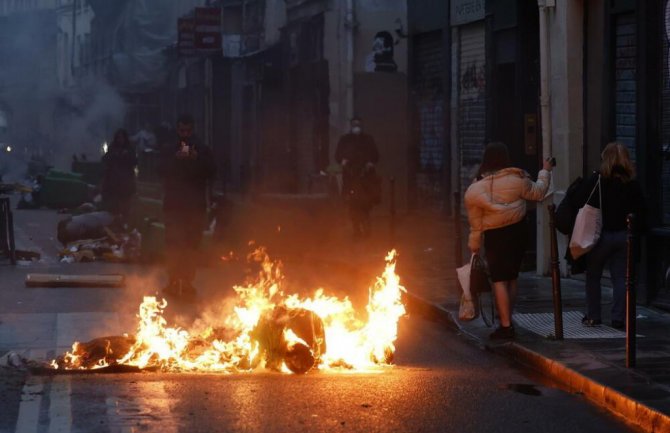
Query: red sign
186,36
207,35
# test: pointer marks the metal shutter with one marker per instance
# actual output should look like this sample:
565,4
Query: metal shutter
430,70
471,99
625,71
665,119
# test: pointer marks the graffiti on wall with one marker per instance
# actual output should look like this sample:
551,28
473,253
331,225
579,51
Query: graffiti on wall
381,58
473,80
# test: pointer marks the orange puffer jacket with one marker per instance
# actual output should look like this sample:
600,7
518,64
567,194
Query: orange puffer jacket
499,200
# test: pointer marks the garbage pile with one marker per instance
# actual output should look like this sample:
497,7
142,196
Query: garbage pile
97,236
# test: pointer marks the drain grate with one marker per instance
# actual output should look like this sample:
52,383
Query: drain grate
543,324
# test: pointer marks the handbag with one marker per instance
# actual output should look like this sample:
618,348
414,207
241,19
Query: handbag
588,226
567,210
479,277
467,310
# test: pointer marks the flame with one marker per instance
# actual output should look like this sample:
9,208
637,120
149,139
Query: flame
352,343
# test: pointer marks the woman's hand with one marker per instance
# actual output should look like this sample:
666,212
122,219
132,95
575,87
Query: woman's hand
548,164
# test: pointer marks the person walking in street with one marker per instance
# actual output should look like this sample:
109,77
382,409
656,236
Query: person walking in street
496,207
621,195
187,170
118,179
357,154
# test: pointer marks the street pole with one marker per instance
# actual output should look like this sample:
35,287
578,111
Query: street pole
545,115
458,240
555,275
631,313
392,210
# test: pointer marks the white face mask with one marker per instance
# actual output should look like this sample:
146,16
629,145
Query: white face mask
356,130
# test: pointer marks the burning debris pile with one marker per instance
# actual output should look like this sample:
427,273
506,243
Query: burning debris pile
267,329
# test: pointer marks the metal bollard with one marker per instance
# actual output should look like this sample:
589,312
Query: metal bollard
555,275
7,227
458,241
631,298
392,209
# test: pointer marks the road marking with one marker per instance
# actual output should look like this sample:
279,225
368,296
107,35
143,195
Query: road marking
143,406
60,409
29,408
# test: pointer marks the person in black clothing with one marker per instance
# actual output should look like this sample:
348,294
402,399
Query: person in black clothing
188,170
621,195
357,154
118,179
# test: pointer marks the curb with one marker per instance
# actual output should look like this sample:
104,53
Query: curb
621,405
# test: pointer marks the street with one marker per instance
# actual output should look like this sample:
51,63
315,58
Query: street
440,383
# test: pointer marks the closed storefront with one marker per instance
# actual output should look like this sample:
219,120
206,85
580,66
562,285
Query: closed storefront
665,118
429,72
471,98
624,80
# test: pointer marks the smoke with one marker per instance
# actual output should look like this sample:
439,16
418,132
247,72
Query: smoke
45,118
85,119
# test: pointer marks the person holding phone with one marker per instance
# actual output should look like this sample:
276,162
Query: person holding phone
188,170
496,207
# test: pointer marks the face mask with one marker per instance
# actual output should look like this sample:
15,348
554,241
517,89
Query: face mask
356,130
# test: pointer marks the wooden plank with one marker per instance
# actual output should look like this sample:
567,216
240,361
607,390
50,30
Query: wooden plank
60,280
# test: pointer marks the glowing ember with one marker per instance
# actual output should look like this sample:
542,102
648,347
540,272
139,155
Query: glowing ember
267,328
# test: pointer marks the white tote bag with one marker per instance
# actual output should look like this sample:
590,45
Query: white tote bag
467,310
588,225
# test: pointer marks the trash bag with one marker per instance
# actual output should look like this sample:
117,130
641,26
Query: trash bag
299,356
87,226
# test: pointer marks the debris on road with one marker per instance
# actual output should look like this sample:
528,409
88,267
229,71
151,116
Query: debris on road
98,352
90,237
60,280
294,336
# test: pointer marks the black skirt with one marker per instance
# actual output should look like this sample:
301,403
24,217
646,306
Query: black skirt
504,248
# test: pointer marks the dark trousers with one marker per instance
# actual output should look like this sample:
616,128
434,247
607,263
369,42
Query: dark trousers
611,248
183,234
360,218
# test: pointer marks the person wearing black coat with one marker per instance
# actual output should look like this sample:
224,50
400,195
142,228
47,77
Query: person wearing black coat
187,169
357,153
118,179
621,195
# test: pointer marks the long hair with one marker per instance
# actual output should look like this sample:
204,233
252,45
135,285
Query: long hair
496,157
616,162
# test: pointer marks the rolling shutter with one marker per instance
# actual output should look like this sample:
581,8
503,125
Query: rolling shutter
471,95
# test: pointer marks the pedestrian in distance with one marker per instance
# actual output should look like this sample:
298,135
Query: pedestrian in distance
496,207
188,170
621,194
118,179
361,186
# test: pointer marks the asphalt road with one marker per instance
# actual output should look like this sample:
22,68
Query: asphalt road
440,383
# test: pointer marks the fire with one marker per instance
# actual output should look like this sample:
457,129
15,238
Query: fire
266,328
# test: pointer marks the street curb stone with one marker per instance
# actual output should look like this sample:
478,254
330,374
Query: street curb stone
634,412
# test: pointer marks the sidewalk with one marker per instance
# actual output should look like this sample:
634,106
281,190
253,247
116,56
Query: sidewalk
590,361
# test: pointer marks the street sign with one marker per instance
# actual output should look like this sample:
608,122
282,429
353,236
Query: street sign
186,36
207,35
